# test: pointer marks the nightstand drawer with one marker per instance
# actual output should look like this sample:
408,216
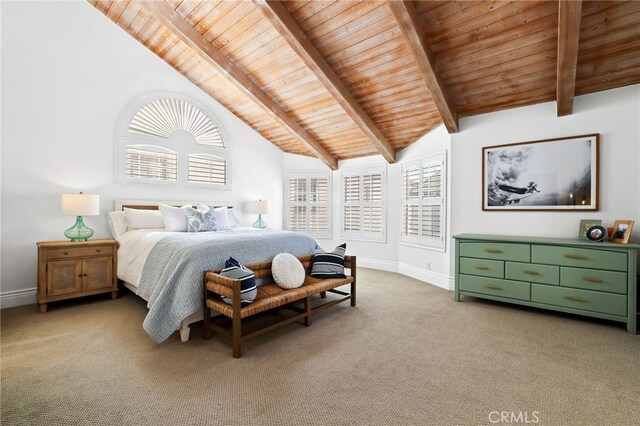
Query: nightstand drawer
531,272
483,267
606,303
64,253
495,287
591,279
497,251
579,257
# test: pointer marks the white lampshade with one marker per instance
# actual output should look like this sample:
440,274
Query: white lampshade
80,204
257,207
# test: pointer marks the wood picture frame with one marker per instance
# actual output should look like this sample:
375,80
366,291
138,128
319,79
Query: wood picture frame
560,174
585,224
621,231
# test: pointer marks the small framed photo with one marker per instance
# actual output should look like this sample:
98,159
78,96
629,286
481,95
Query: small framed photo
622,231
585,224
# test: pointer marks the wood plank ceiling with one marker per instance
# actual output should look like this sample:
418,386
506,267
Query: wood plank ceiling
344,79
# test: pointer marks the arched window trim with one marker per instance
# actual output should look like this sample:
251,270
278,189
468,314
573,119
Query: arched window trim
127,138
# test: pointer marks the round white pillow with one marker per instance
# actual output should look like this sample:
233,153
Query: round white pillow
287,271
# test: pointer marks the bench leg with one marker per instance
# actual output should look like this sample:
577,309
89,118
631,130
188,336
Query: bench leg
236,336
307,308
323,295
353,293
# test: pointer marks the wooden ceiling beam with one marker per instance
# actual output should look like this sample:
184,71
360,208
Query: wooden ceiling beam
297,39
569,15
405,15
164,12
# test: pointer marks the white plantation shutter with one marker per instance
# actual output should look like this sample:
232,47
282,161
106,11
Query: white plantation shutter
209,169
423,201
308,196
363,205
151,162
171,140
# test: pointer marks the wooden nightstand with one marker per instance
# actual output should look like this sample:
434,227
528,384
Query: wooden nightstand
67,270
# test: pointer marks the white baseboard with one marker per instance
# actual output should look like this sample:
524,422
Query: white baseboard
381,265
425,275
10,299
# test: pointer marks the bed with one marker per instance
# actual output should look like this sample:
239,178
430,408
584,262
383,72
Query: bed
166,268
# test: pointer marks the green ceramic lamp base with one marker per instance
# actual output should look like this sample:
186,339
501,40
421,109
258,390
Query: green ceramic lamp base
260,223
78,232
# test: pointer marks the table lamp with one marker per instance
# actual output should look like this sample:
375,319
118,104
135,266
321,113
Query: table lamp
78,205
259,207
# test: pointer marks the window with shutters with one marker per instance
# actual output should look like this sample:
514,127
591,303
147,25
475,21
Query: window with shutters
363,204
169,139
423,201
308,203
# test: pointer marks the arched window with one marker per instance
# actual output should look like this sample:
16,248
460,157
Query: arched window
170,139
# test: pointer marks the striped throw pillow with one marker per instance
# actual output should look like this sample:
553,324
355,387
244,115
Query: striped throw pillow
329,265
248,289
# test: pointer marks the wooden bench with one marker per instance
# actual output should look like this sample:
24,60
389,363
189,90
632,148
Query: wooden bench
269,296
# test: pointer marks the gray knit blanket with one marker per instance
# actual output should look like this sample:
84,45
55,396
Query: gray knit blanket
173,273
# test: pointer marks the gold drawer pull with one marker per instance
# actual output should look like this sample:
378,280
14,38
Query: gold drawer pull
531,272
65,253
576,256
592,279
575,298
98,251
493,287
481,267
492,250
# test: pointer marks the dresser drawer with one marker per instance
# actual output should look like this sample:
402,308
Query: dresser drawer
594,301
495,287
579,257
544,274
483,267
64,253
591,279
497,251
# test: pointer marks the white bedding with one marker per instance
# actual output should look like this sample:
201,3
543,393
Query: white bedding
135,246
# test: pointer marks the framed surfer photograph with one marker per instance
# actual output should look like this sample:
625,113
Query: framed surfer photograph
559,174
621,231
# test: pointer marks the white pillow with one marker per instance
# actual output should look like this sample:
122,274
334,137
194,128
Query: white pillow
287,271
222,219
234,217
143,219
174,218
117,223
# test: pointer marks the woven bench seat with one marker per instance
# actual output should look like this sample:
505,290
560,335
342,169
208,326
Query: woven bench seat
272,296
269,296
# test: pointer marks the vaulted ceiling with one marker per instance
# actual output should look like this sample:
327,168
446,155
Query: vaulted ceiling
344,79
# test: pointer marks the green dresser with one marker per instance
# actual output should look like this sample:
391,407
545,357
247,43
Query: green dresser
575,276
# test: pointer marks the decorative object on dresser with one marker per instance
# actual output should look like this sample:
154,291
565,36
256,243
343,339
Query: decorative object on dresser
585,224
259,207
67,270
558,174
567,275
596,233
622,231
80,205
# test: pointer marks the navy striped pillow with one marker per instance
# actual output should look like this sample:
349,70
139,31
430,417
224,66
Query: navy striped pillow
329,265
248,289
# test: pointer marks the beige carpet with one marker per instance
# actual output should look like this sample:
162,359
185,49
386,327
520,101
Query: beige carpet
406,355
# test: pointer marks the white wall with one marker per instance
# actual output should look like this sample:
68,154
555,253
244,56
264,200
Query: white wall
64,87
615,114
418,262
